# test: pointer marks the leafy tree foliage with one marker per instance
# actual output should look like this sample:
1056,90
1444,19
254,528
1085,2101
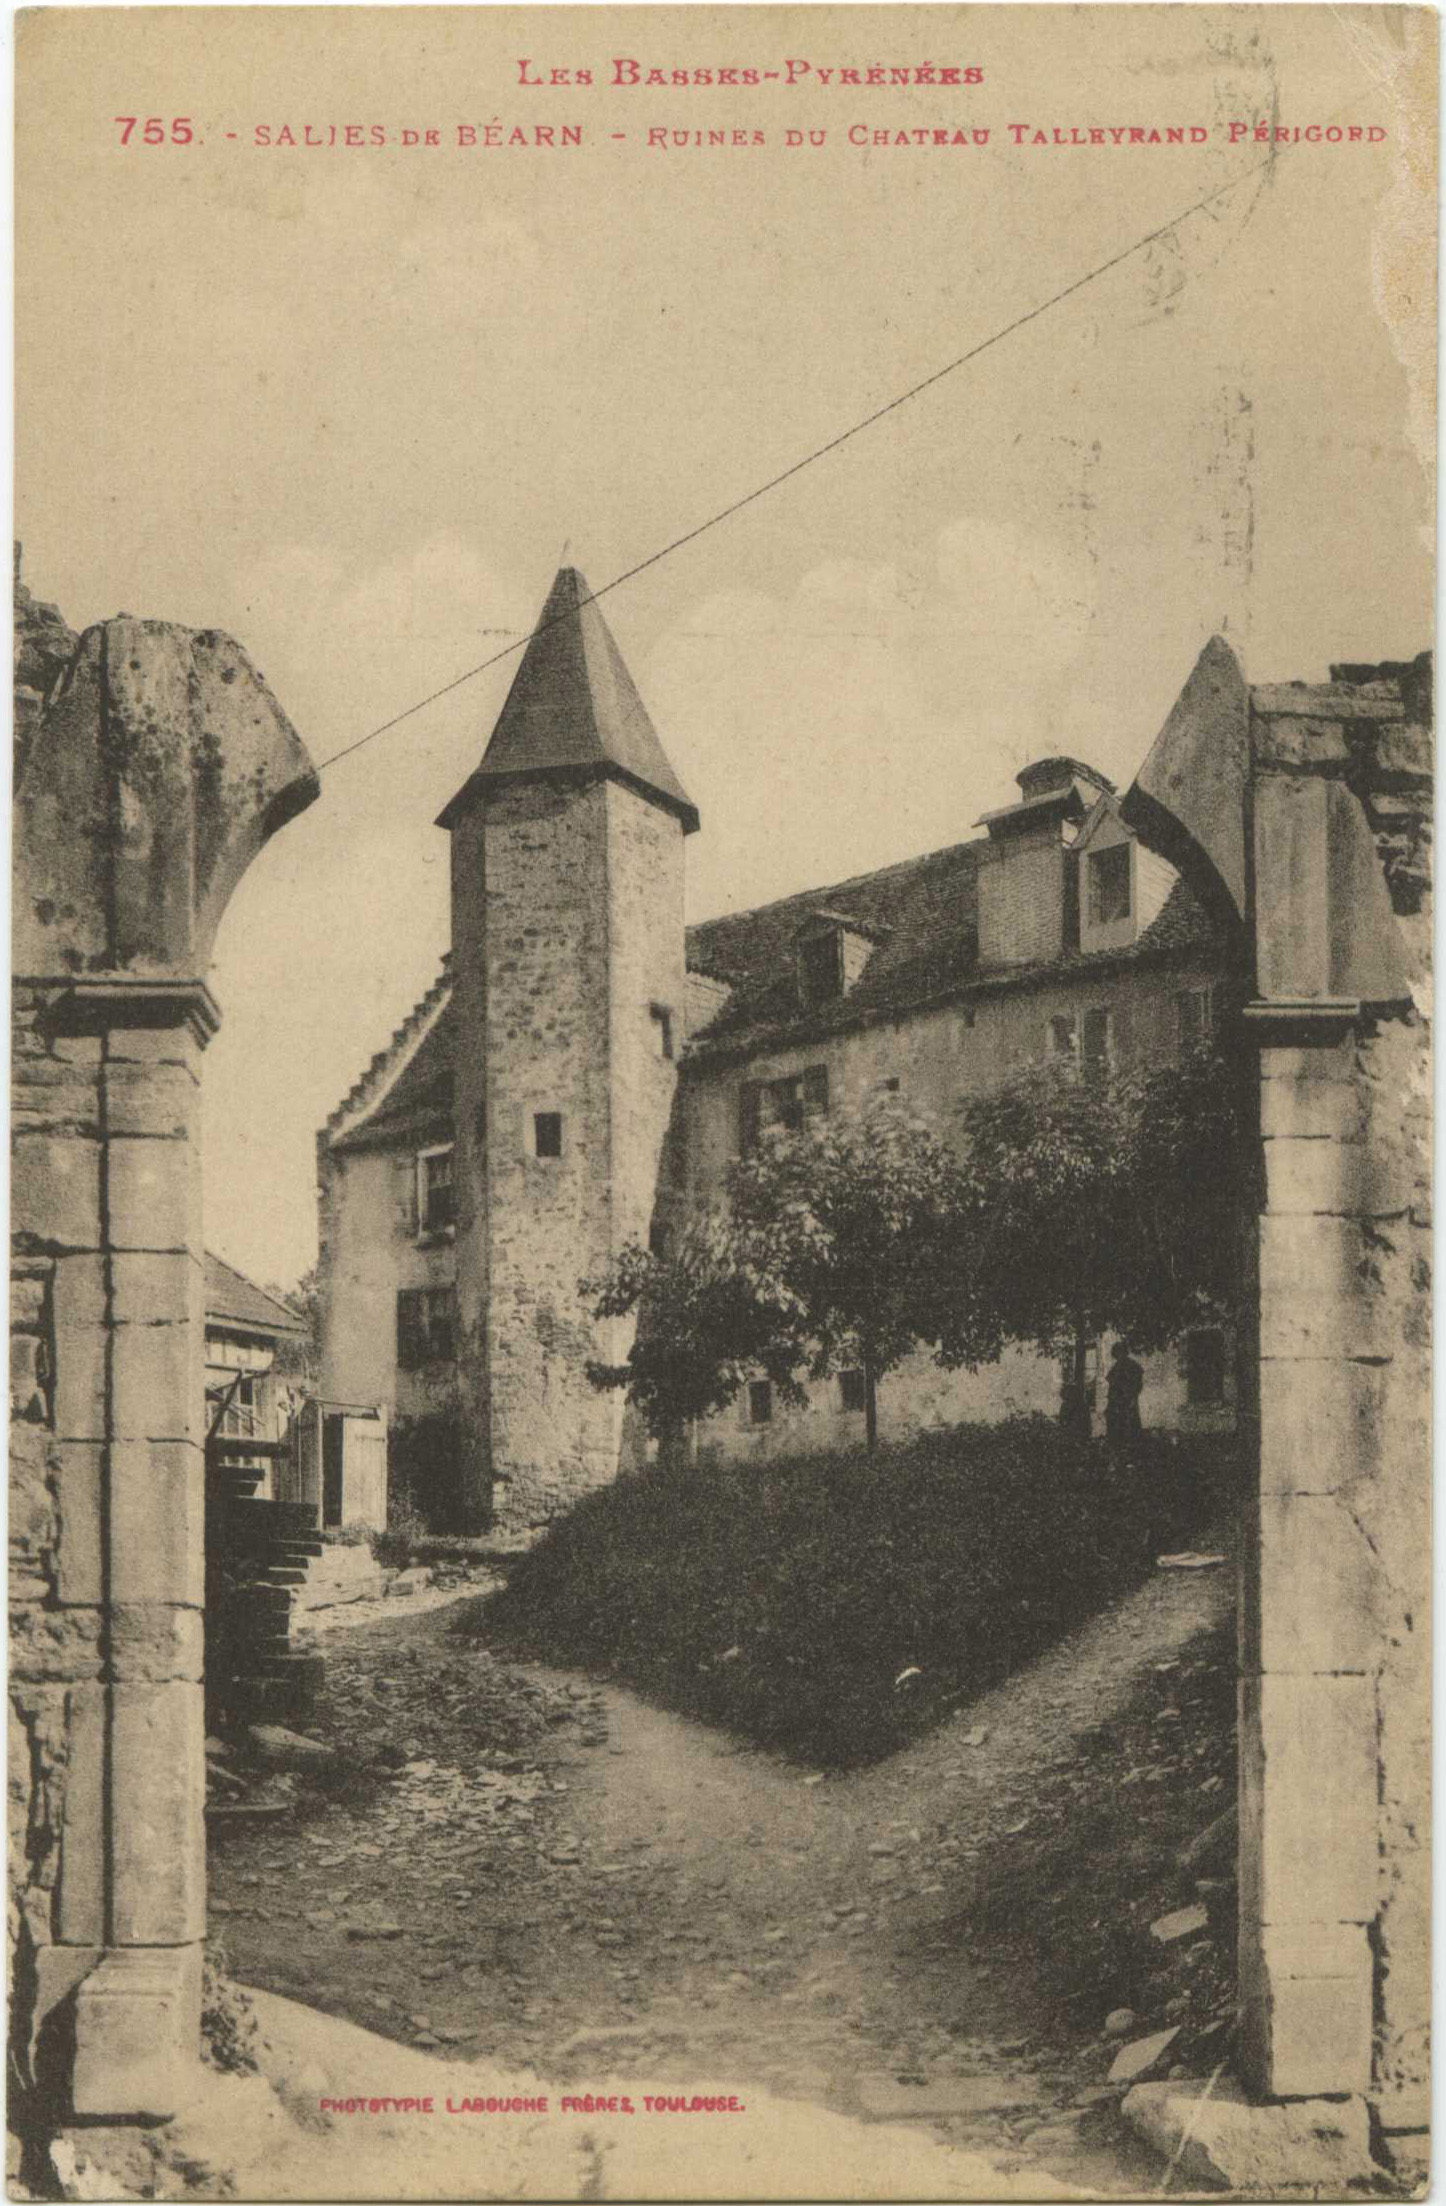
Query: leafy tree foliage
834,1247
1107,1205
1071,1205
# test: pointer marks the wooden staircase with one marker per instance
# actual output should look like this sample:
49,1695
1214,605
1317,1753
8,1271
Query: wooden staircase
257,1554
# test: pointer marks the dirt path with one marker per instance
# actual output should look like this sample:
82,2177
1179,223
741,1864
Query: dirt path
639,1895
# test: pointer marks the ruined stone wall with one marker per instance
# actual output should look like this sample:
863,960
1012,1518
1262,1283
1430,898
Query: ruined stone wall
153,769
1335,1702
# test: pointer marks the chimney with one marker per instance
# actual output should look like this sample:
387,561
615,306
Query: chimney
1028,911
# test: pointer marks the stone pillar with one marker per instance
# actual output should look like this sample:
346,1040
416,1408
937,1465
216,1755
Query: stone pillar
159,767
1328,1614
1304,811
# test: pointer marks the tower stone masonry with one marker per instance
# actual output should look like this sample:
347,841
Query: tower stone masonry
568,971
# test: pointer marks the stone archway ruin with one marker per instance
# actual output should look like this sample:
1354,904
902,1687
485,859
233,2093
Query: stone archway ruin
147,780
1304,811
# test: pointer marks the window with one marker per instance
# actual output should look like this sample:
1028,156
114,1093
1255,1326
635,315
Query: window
426,1327
239,1418
1194,1018
853,1394
547,1134
658,1240
1109,885
787,1103
1204,1369
1095,1049
1081,1369
662,1019
436,1196
760,1401
1061,1036
821,969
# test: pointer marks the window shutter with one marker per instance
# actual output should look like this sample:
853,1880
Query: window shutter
750,1104
815,1092
442,1325
411,1328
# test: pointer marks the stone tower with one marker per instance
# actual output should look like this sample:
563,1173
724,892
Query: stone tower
568,964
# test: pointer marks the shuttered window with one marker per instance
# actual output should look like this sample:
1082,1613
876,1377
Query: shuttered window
426,1327
789,1103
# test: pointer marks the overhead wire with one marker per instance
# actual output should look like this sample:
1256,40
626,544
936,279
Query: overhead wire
810,459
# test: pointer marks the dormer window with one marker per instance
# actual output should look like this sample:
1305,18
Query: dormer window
832,951
821,966
1108,874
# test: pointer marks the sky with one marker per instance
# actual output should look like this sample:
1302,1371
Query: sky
356,405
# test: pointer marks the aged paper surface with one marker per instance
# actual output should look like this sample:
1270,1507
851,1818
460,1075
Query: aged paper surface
937,502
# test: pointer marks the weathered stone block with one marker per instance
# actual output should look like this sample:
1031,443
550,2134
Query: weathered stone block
160,1100
153,1045
156,1382
81,1383
29,1371
157,1517
1309,1109
152,1643
149,1194
1315,2149
1314,1598
80,1888
1317,1060
137,2034
1295,739
80,1292
1307,1766
1321,1289
1315,1986
1403,1993
50,1096
155,1289
34,1519
55,1191
157,1814
59,1644
1403,758
1320,1423
1291,853
1363,1179
79,1570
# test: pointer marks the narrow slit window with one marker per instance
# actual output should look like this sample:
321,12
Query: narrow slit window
547,1133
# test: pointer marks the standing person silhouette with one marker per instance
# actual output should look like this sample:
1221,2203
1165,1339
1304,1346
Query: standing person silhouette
1122,1405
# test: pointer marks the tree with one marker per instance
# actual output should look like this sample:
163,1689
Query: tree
834,1247
1098,1204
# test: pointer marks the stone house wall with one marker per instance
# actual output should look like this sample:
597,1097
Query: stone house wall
934,1062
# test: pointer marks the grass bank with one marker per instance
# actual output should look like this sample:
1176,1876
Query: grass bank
832,1606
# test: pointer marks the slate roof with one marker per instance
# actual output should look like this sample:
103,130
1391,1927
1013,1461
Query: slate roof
573,706
929,954
233,1299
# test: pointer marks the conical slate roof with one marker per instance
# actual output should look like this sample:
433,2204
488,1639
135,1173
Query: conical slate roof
573,707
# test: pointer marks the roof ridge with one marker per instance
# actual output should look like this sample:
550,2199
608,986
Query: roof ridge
836,888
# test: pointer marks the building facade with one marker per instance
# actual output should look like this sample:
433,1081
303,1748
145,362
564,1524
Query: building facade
585,1068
